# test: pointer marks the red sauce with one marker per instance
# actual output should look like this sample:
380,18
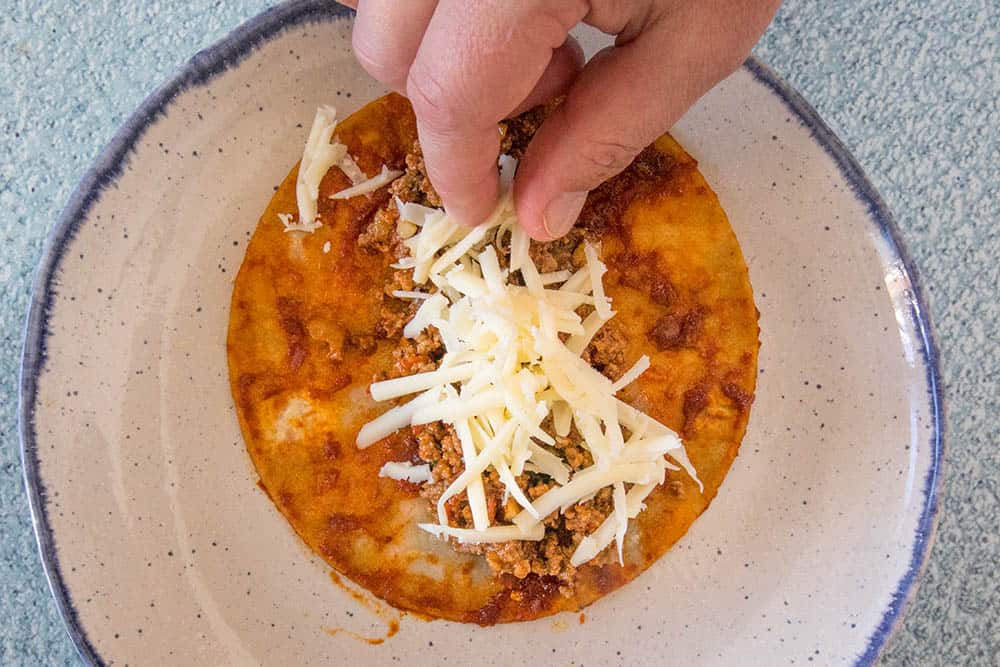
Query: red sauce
674,330
489,613
387,614
736,394
295,331
345,523
336,383
606,204
331,448
520,599
695,400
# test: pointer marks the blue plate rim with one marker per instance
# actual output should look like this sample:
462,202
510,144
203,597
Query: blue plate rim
919,315
230,51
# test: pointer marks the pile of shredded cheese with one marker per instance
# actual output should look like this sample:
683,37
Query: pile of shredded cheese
506,369
512,360
321,153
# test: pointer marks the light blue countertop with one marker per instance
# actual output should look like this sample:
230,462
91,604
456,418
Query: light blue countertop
910,87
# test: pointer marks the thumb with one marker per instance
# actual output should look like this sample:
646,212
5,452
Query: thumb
624,99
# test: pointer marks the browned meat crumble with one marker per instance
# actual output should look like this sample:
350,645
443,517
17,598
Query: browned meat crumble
414,185
516,132
380,235
438,444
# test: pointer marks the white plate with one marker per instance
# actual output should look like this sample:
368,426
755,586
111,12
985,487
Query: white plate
161,550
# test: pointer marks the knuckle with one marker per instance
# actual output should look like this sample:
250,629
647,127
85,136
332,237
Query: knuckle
429,96
610,16
384,68
607,158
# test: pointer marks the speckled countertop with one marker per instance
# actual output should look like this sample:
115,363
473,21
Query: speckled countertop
910,87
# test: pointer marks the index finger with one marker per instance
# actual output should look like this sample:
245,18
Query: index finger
477,62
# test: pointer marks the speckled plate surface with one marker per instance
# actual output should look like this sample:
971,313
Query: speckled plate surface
161,550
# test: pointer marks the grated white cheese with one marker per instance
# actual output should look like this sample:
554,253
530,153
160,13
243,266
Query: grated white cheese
595,543
392,420
319,154
406,471
411,384
291,225
506,369
632,374
620,518
322,152
352,170
596,268
370,185
410,294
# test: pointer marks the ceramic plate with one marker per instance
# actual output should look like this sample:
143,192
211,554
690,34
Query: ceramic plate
160,549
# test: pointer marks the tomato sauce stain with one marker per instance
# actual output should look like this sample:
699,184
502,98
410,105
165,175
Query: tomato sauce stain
386,614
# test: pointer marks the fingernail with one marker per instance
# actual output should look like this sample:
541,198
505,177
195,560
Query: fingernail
561,213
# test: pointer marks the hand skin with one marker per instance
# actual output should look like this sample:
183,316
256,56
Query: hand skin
467,64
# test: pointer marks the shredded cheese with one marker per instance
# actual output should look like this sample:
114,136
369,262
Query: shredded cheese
322,152
632,374
319,155
512,360
291,225
406,471
595,543
368,186
352,170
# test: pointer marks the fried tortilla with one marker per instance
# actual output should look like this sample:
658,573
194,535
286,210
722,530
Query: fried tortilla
313,322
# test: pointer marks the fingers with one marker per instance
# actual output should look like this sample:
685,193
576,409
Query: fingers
386,36
624,99
477,63
591,136
563,68
467,65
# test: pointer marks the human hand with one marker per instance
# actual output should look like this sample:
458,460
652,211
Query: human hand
467,65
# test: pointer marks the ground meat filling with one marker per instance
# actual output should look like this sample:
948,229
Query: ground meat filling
563,253
414,185
606,352
380,236
438,445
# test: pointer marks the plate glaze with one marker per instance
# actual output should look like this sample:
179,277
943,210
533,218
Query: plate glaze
159,547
